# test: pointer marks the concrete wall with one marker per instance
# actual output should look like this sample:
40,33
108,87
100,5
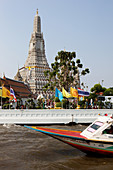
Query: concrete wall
46,116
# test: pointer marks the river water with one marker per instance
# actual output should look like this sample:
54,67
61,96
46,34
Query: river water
25,149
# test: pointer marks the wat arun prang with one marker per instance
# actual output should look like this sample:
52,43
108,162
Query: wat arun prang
33,71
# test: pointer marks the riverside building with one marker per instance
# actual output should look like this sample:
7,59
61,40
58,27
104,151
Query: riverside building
32,72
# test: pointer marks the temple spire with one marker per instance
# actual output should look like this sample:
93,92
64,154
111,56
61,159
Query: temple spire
37,11
37,23
33,71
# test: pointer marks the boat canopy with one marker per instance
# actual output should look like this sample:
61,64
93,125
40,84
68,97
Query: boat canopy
97,127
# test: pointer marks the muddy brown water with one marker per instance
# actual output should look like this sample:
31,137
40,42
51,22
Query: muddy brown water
25,149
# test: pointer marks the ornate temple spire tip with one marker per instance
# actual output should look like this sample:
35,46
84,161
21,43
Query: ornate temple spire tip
37,12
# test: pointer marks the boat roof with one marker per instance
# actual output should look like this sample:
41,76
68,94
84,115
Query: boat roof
97,127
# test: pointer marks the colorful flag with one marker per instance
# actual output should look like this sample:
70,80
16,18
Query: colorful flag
5,92
82,92
12,94
74,92
66,94
81,98
58,94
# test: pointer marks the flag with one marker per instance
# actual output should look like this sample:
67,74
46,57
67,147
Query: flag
58,94
12,94
82,92
5,92
81,98
66,94
74,92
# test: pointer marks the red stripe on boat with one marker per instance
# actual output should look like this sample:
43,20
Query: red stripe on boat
61,132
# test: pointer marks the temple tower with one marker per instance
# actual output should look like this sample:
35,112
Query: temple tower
33,71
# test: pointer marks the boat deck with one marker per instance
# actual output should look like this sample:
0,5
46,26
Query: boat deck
59,132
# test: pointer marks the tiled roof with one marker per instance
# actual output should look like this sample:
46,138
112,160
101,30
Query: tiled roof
21,90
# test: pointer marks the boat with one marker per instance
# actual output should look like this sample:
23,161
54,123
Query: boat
97,138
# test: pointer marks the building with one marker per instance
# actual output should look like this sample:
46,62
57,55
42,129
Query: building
32,72
21,89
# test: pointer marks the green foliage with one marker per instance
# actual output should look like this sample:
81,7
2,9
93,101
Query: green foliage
92,96
103,89
64,70
57,99
65,104
100,104
83,72
82,104
40,104
59,104
30,104
6,106
87,70
108,92
73,105
98,88
38,107
78,61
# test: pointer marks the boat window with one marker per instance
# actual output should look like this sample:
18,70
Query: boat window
95,126
109,130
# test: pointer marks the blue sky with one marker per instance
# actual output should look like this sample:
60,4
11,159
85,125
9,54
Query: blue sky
84,26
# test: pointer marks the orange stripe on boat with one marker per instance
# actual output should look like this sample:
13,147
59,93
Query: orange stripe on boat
61,132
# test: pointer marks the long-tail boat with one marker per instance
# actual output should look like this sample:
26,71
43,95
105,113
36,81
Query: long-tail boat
97,138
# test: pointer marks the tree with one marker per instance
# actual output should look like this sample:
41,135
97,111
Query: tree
92,96
108,92
98,88
31,104
64,71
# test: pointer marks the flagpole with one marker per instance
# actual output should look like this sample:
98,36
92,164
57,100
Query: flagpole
77,101
1,101
54,102
9,99
9,103
62,104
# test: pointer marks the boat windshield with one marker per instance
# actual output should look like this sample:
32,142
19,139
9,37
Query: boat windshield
95,126
109,130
